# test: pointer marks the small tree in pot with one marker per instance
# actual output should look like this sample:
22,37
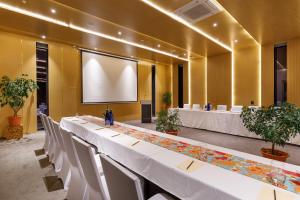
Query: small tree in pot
167,99
168,122
14,93
274,124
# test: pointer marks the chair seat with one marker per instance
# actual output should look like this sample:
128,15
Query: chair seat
161,196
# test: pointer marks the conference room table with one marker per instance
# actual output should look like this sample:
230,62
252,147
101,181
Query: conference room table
187,168
219,121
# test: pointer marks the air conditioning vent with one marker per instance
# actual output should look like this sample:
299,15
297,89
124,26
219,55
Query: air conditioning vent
197,10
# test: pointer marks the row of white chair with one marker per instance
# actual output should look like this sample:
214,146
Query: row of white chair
219,107
88,175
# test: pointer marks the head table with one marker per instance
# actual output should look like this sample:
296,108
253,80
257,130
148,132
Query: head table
218,121
186,168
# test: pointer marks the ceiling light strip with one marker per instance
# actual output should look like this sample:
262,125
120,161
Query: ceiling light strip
32,14
109,37
179,19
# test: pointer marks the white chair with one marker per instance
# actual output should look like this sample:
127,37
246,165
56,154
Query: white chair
221,108
51,146
196,107
77,186
124,184
62,166
96,184
46,143
58,155
187,106
236,109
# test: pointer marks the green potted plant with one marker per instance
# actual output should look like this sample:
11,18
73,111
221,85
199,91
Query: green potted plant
168,122
167,99
14,93
274,124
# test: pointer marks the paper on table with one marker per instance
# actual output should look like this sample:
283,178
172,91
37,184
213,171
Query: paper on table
188,167
267,193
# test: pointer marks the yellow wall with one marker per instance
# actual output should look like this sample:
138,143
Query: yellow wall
18,55
246,76
293,73
219,79
267,73
198,81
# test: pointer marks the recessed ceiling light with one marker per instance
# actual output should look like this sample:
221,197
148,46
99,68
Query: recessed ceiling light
53,10
131,56
184,54
24,1
95,48
158,45
43,37
119,33
215,24
236,41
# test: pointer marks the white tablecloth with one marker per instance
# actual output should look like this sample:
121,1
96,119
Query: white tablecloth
159,165
223,122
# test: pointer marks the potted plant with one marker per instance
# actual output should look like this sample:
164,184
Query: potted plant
274,124
168,122
14,93
167,99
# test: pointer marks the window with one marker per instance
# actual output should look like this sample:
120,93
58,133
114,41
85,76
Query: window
280,65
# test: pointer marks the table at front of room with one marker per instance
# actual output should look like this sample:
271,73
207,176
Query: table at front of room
219,121
161,164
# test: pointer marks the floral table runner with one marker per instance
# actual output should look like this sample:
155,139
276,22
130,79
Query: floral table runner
269,174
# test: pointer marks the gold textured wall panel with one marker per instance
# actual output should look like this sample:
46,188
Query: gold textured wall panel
267,73
219,80
18,55
246,76
198,91
293,75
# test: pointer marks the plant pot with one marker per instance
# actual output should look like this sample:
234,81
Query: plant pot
14,121
172,132
279,155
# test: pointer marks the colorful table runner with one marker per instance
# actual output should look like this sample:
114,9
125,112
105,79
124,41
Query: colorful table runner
289,180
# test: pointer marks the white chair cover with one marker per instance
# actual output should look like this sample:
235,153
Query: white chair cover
161,197
121,183
187,106
254,107
62,165
77,186
96,187
196,107
236,109
51,147
221,108
46,143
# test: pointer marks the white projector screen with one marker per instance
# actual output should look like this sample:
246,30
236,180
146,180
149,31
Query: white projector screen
108,79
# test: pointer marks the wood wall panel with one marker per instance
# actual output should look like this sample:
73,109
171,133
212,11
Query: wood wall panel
293,75
219,79
267,73
246,76
198,84
18,56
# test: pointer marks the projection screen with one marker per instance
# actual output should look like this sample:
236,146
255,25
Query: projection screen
106,78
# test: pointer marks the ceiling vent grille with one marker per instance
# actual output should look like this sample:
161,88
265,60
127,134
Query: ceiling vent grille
197,10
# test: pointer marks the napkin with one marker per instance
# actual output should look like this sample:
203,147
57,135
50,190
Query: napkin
267,193
193,167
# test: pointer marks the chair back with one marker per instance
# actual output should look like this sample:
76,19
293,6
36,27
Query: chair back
221,108
196,107
121,182
236,109
56,128
67,139
187,106
86,156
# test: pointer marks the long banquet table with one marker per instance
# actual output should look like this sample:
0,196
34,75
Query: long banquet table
163,160
219,121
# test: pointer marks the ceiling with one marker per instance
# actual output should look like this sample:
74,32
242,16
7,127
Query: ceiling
243,21
268,21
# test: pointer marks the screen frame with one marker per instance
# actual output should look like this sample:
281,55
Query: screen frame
112,56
